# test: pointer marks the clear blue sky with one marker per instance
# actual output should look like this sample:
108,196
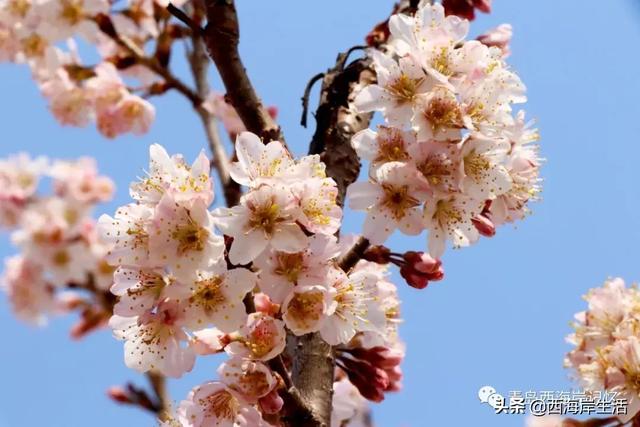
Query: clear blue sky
501,314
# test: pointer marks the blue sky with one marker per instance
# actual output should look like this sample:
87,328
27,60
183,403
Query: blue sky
500,316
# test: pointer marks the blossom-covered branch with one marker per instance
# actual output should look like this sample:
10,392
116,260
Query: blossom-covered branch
305,313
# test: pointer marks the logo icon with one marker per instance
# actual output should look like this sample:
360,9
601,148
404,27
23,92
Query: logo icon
488,394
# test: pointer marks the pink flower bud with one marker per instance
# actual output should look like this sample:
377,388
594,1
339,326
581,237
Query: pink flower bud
119,394
420,268
484,225
499,37
264,304
422,262
271,403
90,321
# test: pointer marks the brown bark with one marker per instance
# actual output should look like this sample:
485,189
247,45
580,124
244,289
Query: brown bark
312,358
222,37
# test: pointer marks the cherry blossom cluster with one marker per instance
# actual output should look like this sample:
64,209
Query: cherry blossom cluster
45,34
451,156
185,290
59,246
607,343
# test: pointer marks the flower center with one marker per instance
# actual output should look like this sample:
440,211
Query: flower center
440,61
404,88
305,307
72,11
61,258
265,217
252,383
190,237
446,213
208,294
391,148
19,7
398,200
148,282
289,265
139,236
443,111
475,165
436,169
261,339
34,46
221,405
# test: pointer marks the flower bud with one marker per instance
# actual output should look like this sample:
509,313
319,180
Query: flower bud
484,225
466,8
119,394
271,403
370,381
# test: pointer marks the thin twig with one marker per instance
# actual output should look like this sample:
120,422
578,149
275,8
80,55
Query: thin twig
106,26
199,62
305,98
185,19
159,385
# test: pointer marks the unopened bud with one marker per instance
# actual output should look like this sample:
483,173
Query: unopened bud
119,394
484,225
271,403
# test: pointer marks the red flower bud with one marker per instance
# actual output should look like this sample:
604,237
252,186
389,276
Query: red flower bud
484,225
466,8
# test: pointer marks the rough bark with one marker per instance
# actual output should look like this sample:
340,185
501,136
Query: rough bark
312,359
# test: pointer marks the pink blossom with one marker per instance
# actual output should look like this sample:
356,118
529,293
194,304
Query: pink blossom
79,180
251,380
138,289
214,404
30,296
393,200
265,217
261,338
127,234
353,309
280,272
173,175
214,296
389,144
20,175
259,163
306,308
154,340
182,236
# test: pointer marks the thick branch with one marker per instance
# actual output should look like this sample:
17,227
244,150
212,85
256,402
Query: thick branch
222,37
312,358
337,123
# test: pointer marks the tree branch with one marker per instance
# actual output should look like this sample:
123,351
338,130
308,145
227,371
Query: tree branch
312,358
159,385
199,62
222,37
106,26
